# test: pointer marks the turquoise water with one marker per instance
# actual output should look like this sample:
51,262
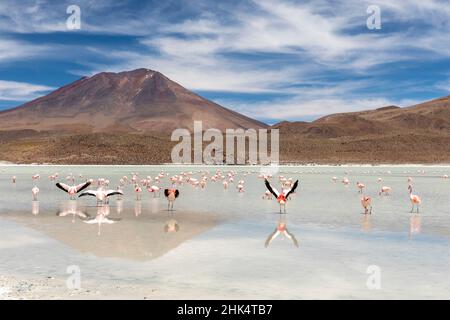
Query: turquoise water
219,249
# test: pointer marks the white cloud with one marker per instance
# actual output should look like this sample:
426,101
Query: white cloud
21,91
16,50
299,108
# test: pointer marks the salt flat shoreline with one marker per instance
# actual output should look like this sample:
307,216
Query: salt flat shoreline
169,165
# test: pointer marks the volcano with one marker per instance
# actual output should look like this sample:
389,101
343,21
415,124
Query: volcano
138,101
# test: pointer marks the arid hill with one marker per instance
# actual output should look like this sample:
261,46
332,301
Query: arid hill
416,134
139,101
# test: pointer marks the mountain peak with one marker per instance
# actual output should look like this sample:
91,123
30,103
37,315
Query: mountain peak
140,100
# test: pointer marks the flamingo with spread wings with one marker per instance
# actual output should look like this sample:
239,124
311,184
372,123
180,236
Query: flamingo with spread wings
101,194
283,196
73,190
171,195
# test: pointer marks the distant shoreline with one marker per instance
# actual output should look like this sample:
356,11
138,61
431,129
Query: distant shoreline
11,164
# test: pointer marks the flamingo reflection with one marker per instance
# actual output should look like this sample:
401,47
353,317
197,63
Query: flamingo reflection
281,229
365,223
415,223
35,208
171,226
101,217
70,209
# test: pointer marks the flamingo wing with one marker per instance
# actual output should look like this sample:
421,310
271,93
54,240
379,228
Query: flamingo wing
64,187
292,237
271,189
113,192
292,189
92,221
88,193
177,193
270,238
82,186
166,192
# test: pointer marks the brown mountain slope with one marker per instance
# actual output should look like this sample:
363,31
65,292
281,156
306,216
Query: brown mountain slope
431,117
416,134
134,101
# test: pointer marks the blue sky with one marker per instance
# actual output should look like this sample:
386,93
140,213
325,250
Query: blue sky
269,59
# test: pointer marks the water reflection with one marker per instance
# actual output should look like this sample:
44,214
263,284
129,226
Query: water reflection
101,217
70,208
281,229
119,206
137,208
172,225
35,207
366,224
415,223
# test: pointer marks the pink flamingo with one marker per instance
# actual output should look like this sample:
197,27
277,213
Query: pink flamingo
415,199
366,203
35,192
138,191
155,190
267,195
14,179
171,195
281,197
73,190
360,186
385,190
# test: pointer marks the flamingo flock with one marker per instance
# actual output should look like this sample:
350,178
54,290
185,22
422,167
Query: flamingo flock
278,187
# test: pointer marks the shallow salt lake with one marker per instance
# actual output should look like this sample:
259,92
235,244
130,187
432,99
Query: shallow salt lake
219,250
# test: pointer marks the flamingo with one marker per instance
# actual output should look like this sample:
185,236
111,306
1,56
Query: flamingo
385,190
138,191
73,190
281,197
155,190
366,203
360,186
345,181
415,199
171,195
101,194
35,177
334,179
35,192
14,179
267,195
